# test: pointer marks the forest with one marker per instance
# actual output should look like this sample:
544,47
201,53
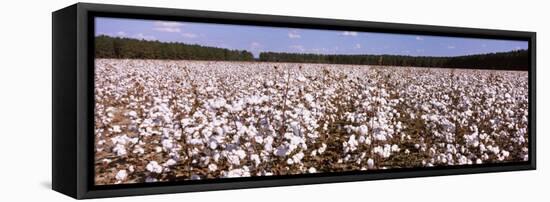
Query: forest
116,47
513,60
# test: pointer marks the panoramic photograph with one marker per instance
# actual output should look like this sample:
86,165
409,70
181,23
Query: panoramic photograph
180,101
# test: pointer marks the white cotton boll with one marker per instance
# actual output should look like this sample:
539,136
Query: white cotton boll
120,150
219,130
362,139
505,153
312,170
268,143
289,161
313,153
116,129
479,161
158,149
322,148
256,159
258,139
370,163
131,169
212,167
121,175
462,160
132,114
395,148
233,159
167,144
363,130
154,167
216,156
170,162
297,158
308,97
213,144
352,143
482,148
217,103
138,150
244,172
241,153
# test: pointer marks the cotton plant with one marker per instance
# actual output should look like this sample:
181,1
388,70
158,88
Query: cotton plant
189,120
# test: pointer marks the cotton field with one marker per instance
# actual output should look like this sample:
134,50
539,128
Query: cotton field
190,120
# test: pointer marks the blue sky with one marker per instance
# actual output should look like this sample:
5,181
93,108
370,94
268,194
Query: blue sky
258,39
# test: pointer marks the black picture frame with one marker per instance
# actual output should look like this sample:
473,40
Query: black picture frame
72,99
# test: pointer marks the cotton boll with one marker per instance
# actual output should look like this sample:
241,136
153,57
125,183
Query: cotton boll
395,148
352,143
121,175
212,167
312,170
138,150
370,163
289,161
322,148
154,167
213,144
242,172
297,158
256,159
120,150
170,162
132,114
363,130
308,97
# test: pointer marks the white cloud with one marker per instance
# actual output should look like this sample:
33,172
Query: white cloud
189,35
357,46
166,26
451,47
349,33
255,44
167,29
419,38
294,35
144,37
298,48
121,33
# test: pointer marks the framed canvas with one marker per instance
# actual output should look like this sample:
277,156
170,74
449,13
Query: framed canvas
156,100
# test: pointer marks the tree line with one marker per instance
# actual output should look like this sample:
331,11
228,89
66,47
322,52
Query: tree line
128,48
512,60
116,47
